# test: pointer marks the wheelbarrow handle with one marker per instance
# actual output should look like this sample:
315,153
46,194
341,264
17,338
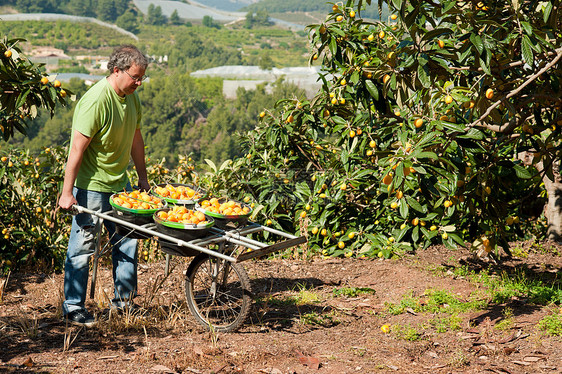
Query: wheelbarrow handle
75,209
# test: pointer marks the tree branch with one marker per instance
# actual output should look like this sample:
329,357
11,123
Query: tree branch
509,126
507,66
519,89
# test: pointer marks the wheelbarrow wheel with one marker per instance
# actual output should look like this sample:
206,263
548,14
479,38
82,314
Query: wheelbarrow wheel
218,293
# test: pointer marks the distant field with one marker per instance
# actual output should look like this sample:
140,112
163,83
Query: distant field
189,11
301,18
64,34
228,5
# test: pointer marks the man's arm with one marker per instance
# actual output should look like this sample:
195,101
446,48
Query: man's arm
137,154
79,144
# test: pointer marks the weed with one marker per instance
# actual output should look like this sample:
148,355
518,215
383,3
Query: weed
407,302
551,324
324,320
406,332
521,284
213,335
3,285
446,323
519,252
305,296
29,326
507,322
443,301
435,301
359,351
353,291
68,339
458,359
271,300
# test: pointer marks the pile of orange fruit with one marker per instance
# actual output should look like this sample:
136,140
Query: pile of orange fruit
177,192
137,200
227,208
181,214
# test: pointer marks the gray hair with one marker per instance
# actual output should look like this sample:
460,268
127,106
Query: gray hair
124,56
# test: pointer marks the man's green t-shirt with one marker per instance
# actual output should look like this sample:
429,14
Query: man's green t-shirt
110,121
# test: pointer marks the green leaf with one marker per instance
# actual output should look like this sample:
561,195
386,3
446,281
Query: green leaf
21,99
453,126
302,189
339,120
476,41
212,165
404,209
457,239
430,35
344,159
473,133
485,67
527,50
400,234
415,204
416,233
547,10
527,27
354,77
333,46
521,172
431,155
423,76
225,164
372,89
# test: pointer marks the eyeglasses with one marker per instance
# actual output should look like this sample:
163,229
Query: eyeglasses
138,80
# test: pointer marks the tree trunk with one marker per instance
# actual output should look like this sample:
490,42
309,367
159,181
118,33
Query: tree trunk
554,205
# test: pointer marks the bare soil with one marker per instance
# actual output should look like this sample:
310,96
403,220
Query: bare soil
324,333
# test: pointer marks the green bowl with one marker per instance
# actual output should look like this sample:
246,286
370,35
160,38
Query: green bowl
137,212
183,231
222,220
181,201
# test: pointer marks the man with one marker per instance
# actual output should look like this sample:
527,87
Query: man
105,136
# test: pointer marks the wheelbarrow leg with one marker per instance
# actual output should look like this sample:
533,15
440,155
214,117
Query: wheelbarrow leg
167,269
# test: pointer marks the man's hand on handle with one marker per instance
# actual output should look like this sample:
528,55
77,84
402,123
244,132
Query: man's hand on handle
67,201
144,185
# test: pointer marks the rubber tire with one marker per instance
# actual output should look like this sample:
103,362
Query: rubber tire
198,278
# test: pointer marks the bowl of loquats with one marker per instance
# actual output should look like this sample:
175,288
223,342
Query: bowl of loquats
135,207
182,223
225,211
179,194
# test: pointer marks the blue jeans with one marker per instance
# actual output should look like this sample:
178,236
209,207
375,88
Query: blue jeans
81,246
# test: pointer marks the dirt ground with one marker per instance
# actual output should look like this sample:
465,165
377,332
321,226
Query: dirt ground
321,333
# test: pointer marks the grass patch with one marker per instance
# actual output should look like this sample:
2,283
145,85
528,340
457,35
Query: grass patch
324,320
305,296
435,301
353,291
522,283
507,321
442,324
551,324
406,332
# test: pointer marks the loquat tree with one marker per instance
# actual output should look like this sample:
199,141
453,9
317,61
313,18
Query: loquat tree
418,134
24,88
32,232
